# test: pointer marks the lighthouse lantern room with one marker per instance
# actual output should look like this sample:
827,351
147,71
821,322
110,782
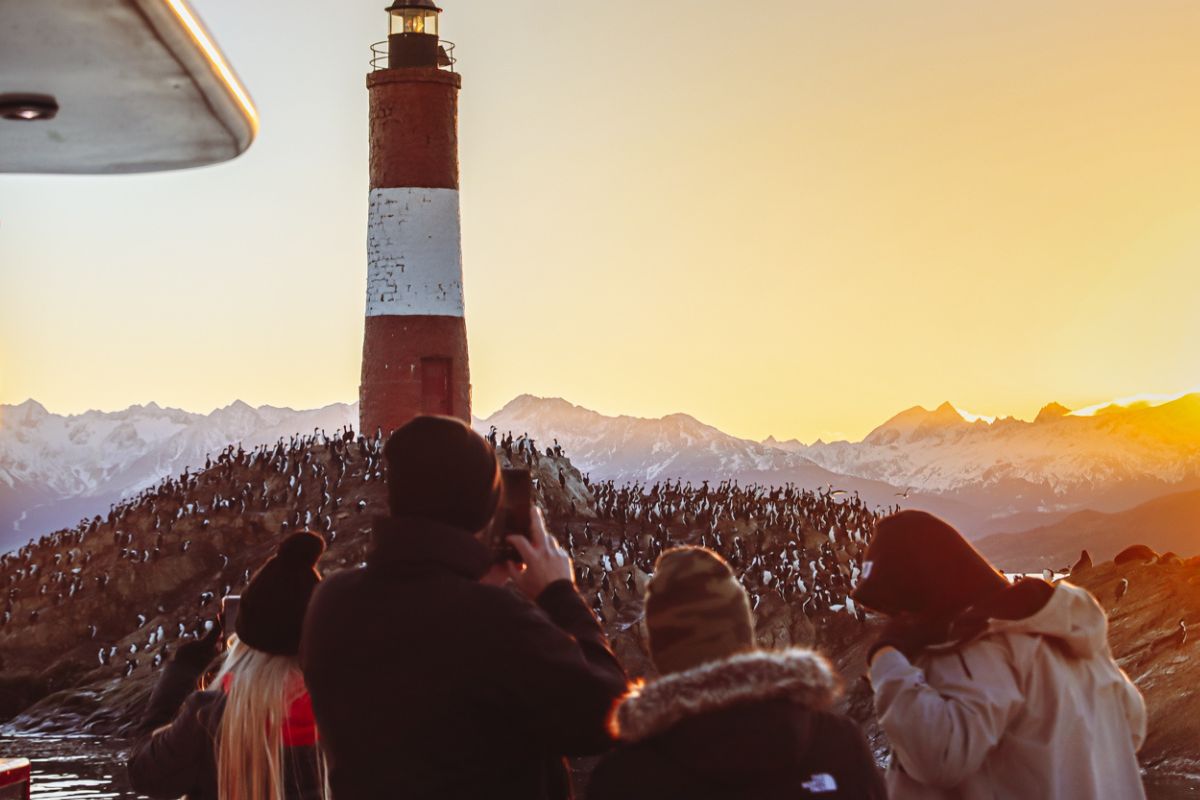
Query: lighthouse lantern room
413,34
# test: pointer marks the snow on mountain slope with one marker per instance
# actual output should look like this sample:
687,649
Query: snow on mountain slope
1062,454
55,469
678,446
631,448
984,476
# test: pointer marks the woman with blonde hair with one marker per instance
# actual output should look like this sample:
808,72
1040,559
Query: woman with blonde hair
252,735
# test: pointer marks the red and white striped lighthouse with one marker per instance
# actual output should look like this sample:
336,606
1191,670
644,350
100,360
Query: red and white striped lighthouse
415,343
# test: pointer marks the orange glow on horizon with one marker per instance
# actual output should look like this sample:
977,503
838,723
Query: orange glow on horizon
1149,400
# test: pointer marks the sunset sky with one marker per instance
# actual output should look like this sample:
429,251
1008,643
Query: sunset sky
788,217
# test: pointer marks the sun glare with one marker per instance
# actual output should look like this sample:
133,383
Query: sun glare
1148,400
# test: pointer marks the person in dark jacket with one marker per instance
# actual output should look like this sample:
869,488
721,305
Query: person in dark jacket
430,677
725,719
253,736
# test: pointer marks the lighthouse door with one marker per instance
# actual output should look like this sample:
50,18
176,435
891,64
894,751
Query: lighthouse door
435,386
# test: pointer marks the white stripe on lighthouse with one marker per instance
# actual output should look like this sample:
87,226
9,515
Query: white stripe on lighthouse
414,253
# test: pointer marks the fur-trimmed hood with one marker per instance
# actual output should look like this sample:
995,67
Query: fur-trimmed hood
797,674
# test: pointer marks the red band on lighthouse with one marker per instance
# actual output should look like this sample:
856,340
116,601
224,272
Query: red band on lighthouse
415,339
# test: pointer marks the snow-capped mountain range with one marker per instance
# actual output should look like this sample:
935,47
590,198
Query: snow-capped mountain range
986,476
1107,459
57,469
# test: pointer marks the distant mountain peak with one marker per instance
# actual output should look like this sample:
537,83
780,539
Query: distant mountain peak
530,402
1145,402
30,406
679,416
53,467
917,422
1052,411
26,414
563,411
1188,404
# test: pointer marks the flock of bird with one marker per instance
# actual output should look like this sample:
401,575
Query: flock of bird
292,484
790,546
796,546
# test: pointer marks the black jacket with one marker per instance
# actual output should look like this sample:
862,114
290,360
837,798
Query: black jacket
428,684
179,758
756,726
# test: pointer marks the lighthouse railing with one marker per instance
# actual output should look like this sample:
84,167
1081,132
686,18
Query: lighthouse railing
446,57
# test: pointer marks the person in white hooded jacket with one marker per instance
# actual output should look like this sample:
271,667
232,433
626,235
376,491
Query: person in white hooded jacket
992,690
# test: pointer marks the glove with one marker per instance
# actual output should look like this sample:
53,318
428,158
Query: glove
909,635
200,653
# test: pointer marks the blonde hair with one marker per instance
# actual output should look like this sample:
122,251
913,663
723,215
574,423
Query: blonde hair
250,749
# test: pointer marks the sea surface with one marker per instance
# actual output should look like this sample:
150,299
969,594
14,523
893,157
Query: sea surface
86,766
72,767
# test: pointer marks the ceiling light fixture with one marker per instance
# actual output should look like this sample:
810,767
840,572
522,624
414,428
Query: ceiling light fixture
28,107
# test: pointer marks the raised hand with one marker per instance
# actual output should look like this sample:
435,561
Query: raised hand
546,562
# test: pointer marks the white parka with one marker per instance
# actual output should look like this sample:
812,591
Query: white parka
1032,708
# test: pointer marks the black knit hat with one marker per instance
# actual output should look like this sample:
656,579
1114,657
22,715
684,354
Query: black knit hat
440,469
271,615
919,564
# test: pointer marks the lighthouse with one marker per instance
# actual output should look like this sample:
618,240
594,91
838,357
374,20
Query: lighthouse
415,338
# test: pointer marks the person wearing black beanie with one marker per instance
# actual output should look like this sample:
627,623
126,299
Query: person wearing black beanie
440,469
271,614
987,689
918,564
254,731
430,677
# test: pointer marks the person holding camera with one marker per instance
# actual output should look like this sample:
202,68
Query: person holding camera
252,736
991,689
430,676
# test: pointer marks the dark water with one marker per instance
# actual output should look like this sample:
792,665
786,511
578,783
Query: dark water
72,767
79,767
1173,787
